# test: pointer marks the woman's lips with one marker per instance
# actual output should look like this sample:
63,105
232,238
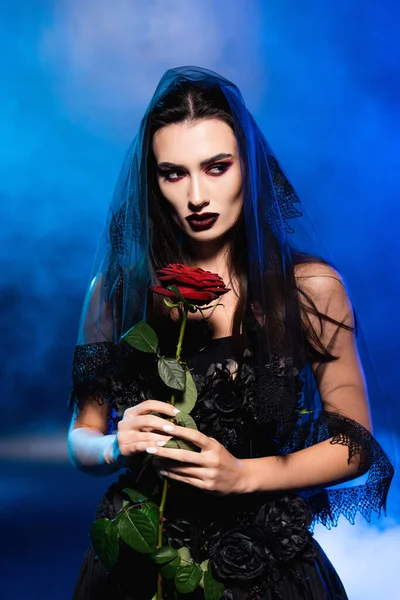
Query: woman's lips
202,221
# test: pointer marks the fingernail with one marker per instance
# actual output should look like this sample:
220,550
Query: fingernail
176,411
161,443
168,428
163,473
151,450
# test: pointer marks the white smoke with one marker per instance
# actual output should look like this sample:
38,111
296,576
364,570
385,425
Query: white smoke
365,556
108,57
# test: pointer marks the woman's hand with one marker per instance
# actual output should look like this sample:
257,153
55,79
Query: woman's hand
139,429
213,468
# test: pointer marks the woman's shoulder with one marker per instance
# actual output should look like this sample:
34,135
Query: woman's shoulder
318,277
322,293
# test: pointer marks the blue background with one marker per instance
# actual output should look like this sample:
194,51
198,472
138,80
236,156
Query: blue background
322,80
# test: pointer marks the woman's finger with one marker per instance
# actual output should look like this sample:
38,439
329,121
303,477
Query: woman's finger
190,469
131,436
194,481
148,406
145,423
191,435
131,441
128,446
182,456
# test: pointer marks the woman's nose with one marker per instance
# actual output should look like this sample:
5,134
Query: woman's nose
198,196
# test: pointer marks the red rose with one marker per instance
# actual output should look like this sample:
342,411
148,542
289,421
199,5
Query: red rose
197,286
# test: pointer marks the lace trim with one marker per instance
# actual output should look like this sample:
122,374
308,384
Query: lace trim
103,371
329,504
243,414
285,208
91,373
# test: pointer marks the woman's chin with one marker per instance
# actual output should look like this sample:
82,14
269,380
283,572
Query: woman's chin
207,235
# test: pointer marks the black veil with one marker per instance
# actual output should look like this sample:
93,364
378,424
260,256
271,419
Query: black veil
280,239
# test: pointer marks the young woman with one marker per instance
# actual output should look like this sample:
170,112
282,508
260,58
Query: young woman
282,409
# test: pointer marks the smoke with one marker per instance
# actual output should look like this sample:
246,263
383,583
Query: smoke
365,556
107,61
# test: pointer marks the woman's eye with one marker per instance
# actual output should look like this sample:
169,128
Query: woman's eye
222,168
218,169
169,176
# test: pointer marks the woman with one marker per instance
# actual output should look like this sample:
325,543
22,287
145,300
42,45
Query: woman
282,409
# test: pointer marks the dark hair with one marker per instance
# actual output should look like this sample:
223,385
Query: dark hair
186,103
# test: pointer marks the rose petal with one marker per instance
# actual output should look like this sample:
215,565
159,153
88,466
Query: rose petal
195,284
159,289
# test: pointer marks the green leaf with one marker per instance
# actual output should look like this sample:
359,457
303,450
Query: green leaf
169,559
185,555
189,395
172,373
142,337
138,531
164,555
104,536
179,444
134,495
151,511
203,567
168,570
187,578
213,590
185,420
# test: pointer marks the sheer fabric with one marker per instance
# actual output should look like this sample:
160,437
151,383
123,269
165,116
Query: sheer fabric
301,401
227,410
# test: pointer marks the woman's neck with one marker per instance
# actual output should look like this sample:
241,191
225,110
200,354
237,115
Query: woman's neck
214,259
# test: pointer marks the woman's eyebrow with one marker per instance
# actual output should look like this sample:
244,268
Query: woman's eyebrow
204,163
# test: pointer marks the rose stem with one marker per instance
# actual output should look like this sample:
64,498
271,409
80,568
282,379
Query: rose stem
165,483
181,333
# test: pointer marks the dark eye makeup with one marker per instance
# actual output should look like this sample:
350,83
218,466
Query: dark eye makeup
166,173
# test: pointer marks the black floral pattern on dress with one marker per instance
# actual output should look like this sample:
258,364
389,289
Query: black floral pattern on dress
265,546
254,413
222,410
241,553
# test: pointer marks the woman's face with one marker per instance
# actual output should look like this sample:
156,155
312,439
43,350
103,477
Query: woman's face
198,171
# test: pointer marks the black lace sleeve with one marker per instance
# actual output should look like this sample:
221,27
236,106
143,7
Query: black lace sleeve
114,374
366,498
91,373
279,405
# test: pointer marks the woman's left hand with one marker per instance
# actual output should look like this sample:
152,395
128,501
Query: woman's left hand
213,468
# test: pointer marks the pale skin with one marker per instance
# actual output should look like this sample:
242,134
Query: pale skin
194,187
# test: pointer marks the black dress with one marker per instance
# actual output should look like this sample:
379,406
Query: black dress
232,529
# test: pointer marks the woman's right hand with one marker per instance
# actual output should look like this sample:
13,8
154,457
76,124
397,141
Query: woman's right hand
139,429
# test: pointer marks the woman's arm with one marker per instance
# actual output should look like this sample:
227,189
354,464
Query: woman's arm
90,448
96,453
320,465
343,391
342,388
